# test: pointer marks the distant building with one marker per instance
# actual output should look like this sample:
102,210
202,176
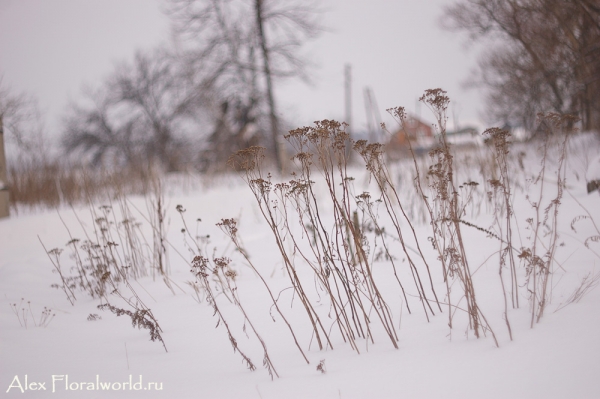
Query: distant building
418,132
467,136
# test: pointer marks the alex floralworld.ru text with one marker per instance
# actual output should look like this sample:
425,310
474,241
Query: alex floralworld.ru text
61,382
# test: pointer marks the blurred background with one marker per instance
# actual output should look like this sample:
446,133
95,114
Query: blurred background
180,85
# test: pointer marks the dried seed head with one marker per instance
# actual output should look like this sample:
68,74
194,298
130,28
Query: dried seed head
247,160
436,98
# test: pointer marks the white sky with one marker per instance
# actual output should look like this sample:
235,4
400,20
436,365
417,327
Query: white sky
52,48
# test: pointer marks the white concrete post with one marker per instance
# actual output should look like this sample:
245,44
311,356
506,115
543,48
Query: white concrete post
4,208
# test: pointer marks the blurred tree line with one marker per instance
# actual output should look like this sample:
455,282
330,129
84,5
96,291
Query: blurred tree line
544,56
190,106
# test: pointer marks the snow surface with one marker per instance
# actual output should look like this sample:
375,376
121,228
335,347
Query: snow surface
557,358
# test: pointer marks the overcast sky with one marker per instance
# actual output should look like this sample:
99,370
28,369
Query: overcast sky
52,48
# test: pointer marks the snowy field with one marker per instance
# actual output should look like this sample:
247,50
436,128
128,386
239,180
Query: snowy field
80,351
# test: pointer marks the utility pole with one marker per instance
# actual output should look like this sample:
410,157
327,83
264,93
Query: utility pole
348,103
368,109
373,115
348,97
4,208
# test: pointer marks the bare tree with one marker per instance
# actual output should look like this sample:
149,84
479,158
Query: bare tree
93,131
231,36
545,57
141,113
23,125
214,48
235,127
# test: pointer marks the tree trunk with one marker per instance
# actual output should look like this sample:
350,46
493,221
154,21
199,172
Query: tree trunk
276,139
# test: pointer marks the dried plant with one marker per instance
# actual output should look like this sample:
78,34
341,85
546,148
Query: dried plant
114,244
26,316
330,243
48,184
202,269
544,225
229,227
221,266
502,188
588,216
373,157
337,252
445,211
250,162
141,315
113,252
588,283
500,142
67,283
141,318
321,367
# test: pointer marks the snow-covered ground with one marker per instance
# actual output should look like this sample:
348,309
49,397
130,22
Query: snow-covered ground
74,357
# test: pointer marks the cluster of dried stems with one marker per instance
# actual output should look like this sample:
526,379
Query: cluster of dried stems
335,254
373,157
228,226
203,268
338,252
539,257
50,184
332,243
26,317
112,254
445,207
217,276
503,215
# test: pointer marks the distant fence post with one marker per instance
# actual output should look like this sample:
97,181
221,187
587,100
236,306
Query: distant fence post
4,208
